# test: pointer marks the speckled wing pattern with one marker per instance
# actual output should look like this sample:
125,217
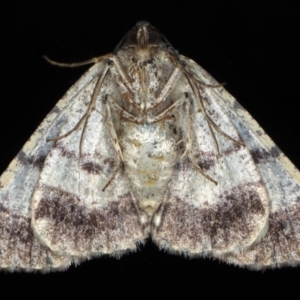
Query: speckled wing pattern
147,144
20,247
71,212
49,214
252,217
199,216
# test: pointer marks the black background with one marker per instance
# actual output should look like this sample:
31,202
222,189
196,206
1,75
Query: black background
250,45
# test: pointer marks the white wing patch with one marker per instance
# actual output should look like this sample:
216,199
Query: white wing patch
146,144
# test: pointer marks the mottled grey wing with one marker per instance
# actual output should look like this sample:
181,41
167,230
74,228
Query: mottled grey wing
20,246
281,244
71,213
232,220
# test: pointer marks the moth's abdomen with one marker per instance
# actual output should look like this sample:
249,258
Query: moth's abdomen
150,153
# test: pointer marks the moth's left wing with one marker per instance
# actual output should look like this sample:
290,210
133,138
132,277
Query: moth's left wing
256,184
72,211
19,246
52,208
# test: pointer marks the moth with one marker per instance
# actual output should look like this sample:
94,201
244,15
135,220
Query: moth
147,144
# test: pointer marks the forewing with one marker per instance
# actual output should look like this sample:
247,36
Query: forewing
71,213
199,217
257,170
21,247
281,244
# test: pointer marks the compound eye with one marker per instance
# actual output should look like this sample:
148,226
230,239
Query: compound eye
154,36
131,36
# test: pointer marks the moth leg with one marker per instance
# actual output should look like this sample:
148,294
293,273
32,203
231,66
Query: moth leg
121,79
191,79
194,162
222,132
124,113
116,145
85,117
187,136
92,105
125,83
113,175
188,145
168,112
169,86
69,132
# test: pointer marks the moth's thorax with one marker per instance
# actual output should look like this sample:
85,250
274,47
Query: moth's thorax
150,153
148,71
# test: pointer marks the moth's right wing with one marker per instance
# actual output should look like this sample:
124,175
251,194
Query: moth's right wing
280,246
256,182
223,206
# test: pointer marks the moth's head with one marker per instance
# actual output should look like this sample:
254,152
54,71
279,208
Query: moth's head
143,35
